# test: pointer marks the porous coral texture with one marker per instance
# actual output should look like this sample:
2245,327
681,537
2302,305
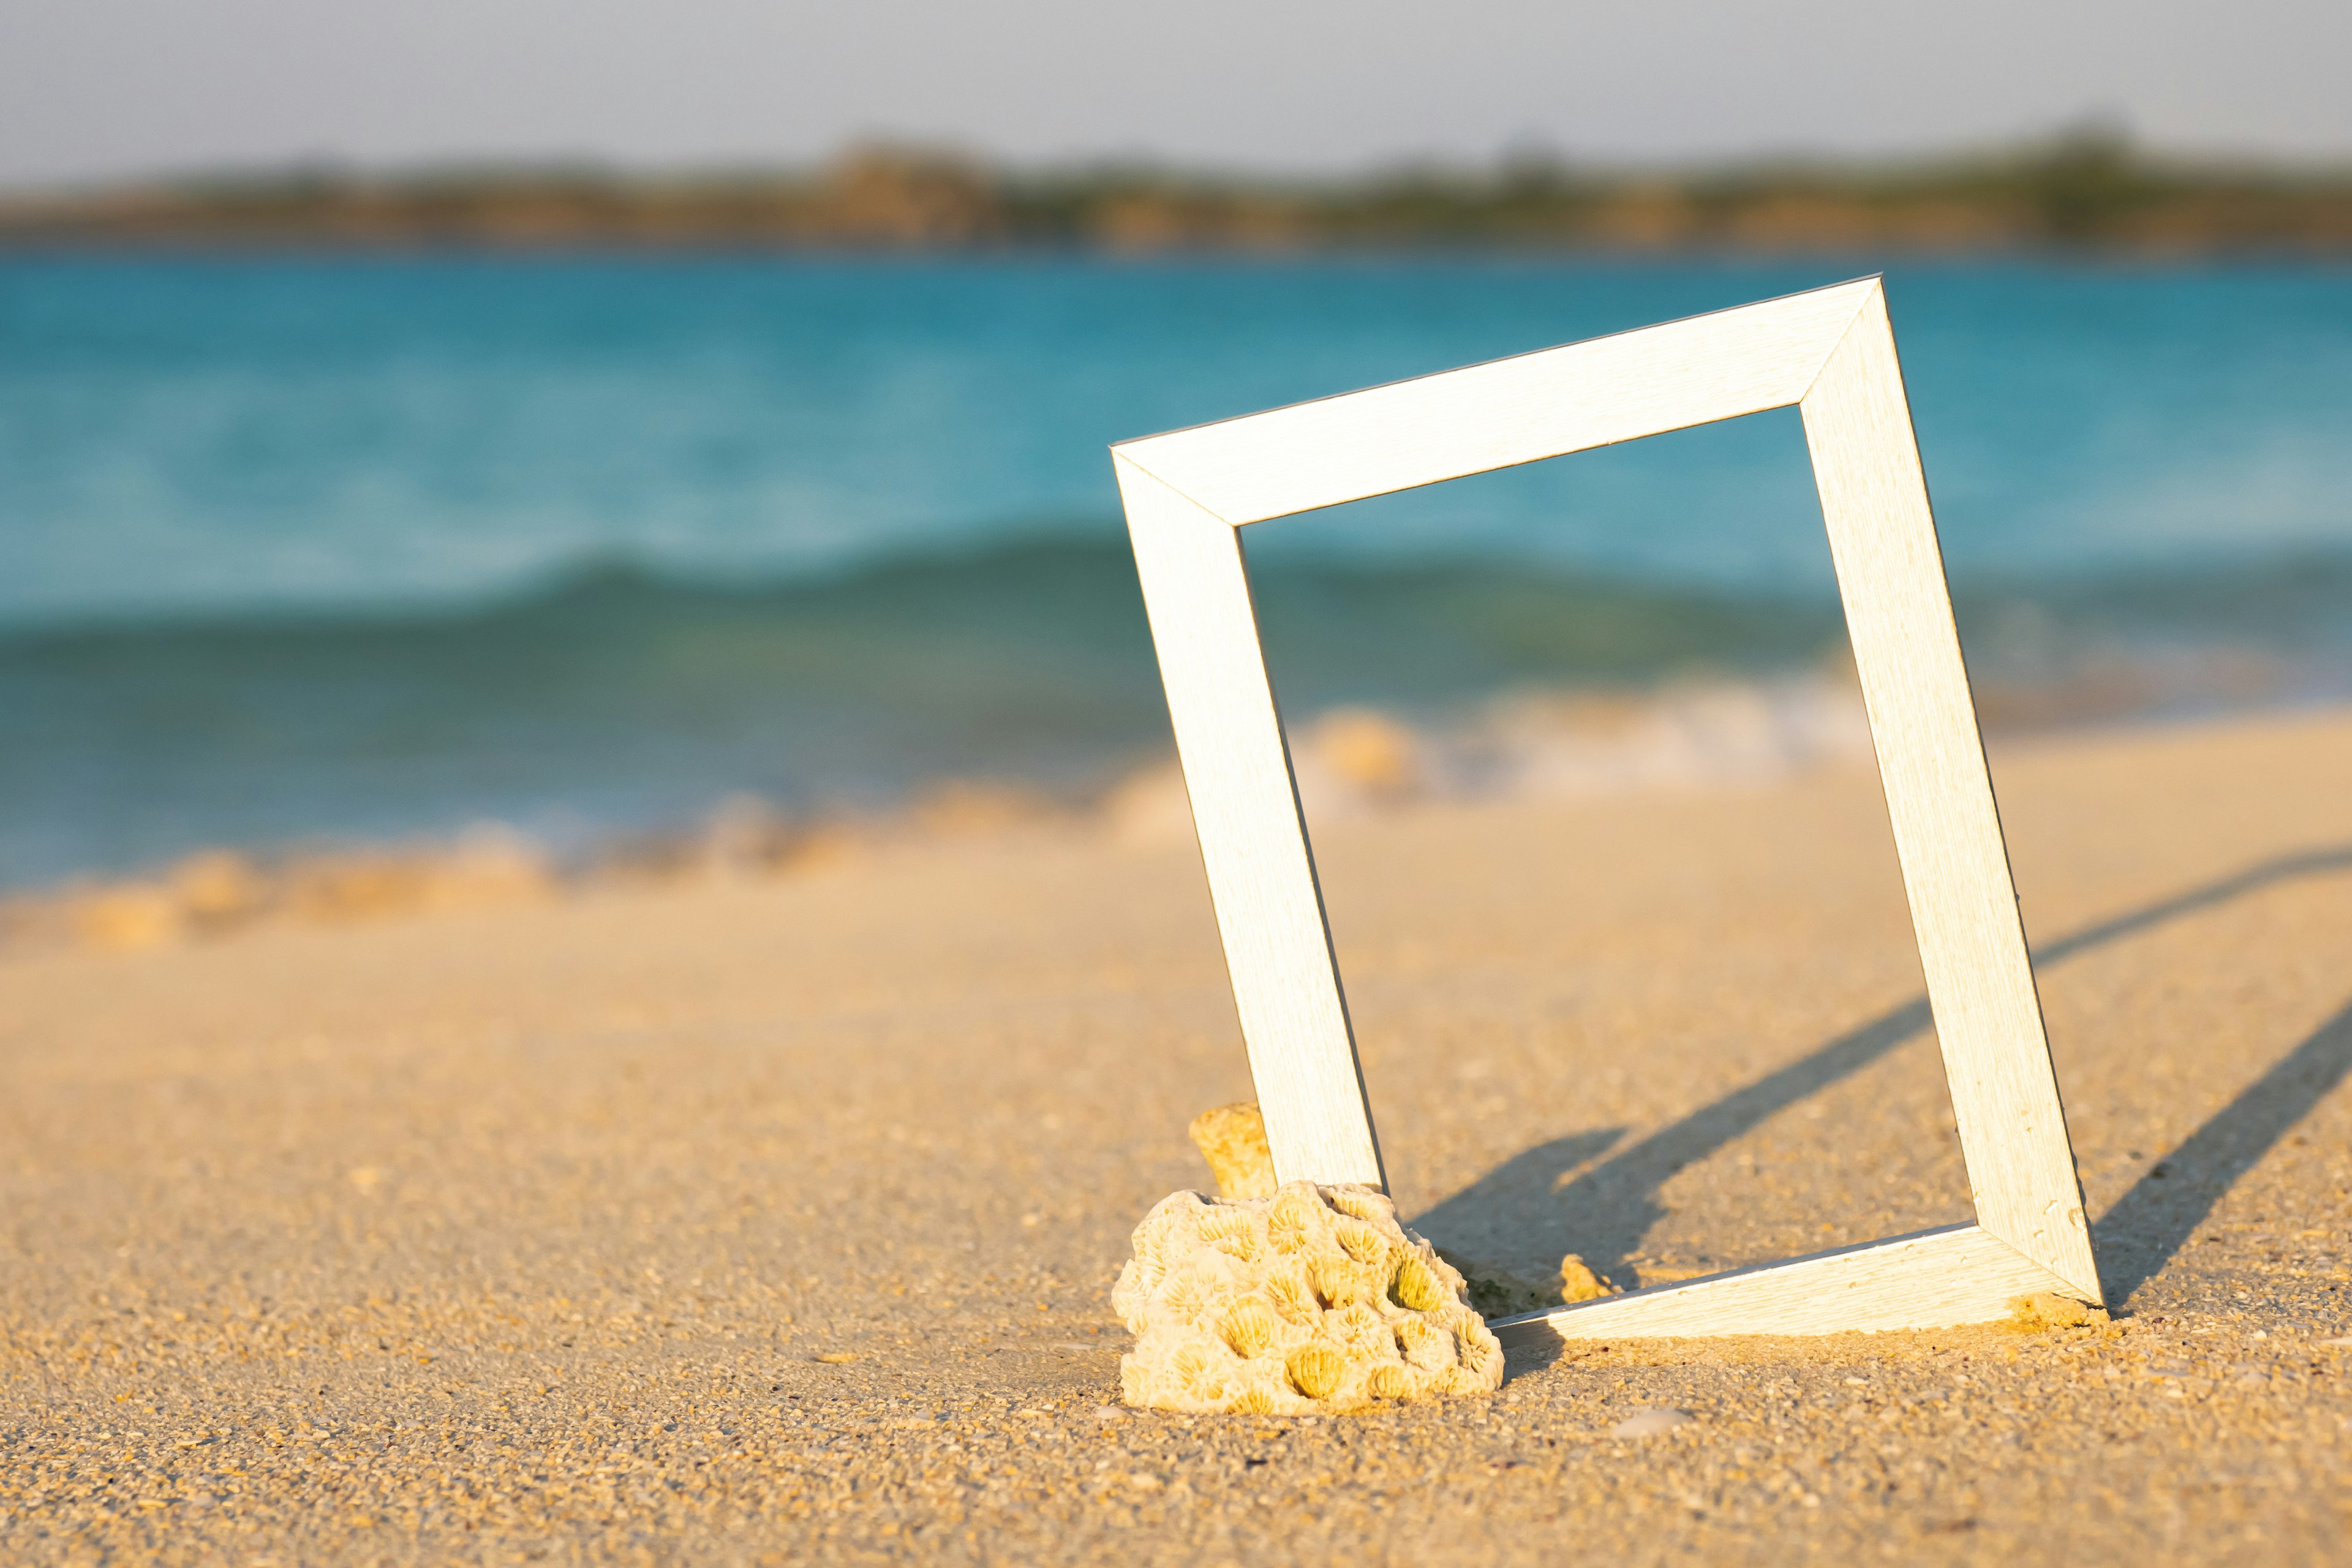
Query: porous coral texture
1232,1138
1312,1300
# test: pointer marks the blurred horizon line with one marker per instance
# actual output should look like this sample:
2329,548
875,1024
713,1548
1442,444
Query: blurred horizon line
2088,186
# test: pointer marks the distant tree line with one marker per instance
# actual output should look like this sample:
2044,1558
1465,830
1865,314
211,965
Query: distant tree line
2085,190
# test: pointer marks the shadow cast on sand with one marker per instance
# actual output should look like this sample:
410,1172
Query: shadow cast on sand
1604,1212
2154,1220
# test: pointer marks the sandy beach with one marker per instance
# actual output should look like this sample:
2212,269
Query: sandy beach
774,1218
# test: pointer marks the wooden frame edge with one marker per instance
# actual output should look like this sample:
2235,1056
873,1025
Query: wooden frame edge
1940,804
1252,837
1930,1280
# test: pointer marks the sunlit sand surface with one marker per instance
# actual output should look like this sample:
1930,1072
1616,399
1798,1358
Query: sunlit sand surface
756,1217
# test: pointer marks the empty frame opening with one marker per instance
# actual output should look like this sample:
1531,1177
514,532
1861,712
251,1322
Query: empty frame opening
1606,860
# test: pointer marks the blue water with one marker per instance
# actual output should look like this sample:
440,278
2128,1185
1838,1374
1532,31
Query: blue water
350,548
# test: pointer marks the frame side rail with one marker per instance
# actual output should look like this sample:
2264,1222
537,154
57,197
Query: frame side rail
1940,799
1253,844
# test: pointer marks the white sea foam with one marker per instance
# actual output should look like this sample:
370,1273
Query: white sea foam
1358,760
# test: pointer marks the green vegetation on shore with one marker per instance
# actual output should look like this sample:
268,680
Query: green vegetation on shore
2088,191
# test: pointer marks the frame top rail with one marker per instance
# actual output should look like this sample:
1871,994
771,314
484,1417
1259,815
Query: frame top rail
1505,411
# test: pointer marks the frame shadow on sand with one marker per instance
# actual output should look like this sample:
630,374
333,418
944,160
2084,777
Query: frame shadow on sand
1617,1200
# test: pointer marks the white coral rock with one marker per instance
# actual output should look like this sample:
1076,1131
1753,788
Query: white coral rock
1314,1300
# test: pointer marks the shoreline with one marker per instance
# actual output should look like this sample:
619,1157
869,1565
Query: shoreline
1351,763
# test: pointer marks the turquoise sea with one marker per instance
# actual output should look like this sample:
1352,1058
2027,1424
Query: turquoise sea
332,550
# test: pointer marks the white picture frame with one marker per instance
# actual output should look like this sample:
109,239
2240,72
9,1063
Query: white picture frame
1831,354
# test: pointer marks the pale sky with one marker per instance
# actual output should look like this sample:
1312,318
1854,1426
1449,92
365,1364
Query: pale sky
107,88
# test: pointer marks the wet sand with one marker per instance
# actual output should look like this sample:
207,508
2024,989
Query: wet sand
775,1219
